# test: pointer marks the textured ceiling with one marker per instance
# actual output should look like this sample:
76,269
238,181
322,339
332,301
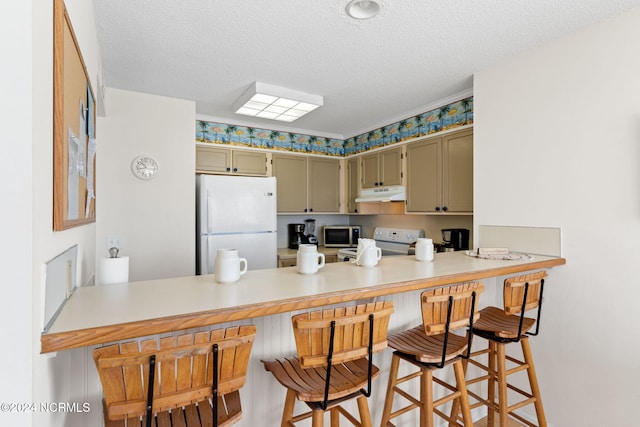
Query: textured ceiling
410,58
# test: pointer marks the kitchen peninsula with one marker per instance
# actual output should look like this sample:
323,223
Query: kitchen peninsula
102,314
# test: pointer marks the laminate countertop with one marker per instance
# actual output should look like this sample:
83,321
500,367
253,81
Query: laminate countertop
101,314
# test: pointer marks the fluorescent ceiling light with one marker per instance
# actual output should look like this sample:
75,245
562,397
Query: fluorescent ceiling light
276,103
362,9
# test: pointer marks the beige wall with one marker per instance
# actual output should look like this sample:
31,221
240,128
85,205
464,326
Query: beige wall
558,128
155,220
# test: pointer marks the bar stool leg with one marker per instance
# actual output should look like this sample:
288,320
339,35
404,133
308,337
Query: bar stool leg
289,403
317,418
491,385
426,396
365,415
503,405
533,381
459,371
335,417
388,401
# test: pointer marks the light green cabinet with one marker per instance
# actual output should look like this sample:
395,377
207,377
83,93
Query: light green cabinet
307,184
440,174
352,184
382,168
227,161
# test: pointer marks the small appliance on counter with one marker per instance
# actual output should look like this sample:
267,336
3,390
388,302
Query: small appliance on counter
310,228
455,239
296,236
341,236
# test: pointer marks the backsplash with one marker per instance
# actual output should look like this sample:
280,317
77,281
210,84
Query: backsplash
449,116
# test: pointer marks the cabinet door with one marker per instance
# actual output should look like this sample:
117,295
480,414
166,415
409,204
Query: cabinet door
390,164
213,159
370,170
458,171
352,185
324,185
249,162
291,177
424,176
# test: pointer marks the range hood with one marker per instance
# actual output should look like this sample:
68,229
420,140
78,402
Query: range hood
382,194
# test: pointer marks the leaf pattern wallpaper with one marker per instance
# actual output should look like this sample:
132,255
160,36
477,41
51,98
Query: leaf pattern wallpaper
449,116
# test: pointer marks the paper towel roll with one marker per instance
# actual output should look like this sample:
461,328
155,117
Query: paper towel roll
113,270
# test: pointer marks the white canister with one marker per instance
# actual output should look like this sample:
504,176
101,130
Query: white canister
424,249
308,259
228,266
368,254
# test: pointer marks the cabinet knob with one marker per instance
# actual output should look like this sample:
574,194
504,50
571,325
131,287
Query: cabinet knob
382,183
437,208
235,169
228,169
305,209
444,208
310,209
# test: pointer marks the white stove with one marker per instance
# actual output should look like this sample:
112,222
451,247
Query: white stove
392,241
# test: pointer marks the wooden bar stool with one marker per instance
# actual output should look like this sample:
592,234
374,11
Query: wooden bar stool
334,364
430,347
501,327
191,380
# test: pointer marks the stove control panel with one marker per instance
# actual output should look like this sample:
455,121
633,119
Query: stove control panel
397,235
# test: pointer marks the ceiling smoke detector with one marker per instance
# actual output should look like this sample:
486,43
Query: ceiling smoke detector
362,9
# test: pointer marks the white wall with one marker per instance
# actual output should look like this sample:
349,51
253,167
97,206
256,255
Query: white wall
15,215
559,129
154,219
27,97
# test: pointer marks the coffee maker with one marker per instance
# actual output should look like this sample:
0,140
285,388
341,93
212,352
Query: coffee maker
296,236
455,239
309,228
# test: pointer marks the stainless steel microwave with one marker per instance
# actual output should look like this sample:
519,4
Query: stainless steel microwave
341,236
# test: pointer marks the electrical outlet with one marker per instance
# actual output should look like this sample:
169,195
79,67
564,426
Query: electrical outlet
114,242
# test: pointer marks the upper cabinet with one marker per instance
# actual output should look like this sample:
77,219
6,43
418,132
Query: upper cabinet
307,184
382,168
219,160
353,168
440,174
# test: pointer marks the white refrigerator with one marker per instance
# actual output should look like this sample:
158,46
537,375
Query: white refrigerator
236,212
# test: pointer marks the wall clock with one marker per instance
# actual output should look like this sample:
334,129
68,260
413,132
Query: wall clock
144,167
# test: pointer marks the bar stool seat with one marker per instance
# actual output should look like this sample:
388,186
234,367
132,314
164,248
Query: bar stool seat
431,346
501,327
334,363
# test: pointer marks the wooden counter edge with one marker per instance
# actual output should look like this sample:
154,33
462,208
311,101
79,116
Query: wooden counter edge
52,342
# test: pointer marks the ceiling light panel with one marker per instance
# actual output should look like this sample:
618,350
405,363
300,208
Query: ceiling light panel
276,103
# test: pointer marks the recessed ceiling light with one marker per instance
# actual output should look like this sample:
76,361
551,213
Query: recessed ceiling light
276,103
362,9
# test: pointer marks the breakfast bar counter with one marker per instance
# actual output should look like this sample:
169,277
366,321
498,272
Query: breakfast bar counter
100,314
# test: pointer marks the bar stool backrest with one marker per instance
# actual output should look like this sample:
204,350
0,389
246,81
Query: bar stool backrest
312,331
435,307
515,288
183,371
